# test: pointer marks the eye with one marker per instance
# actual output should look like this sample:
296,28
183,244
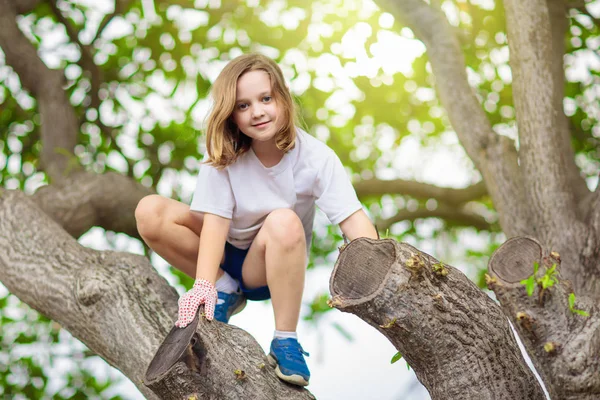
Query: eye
242,106
267,99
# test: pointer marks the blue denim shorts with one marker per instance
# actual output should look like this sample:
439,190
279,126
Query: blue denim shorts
234,260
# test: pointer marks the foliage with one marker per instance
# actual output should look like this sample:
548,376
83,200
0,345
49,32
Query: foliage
397,357
545,281
156,60
573,309
31,349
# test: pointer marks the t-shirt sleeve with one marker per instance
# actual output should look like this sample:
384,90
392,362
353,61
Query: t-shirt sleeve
334,192
213,192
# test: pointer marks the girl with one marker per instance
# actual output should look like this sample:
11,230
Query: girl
246,234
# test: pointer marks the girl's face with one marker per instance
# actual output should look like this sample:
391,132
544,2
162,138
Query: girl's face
256,110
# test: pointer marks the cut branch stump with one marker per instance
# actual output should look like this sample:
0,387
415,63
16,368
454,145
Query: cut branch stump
455,338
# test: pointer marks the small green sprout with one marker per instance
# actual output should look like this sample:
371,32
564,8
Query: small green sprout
414,263
550,347
546,281
397,357
239,374
573,309
489,281
389,325
440,269
549,278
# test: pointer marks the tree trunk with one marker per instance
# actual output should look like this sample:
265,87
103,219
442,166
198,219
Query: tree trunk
456,338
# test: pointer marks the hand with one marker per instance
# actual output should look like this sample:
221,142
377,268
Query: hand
203,292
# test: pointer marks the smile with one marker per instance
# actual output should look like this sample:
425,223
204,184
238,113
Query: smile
262,124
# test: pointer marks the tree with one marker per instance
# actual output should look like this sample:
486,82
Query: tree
84,143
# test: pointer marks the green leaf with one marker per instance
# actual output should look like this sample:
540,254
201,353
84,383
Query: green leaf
529,284
581,312
396,357
343,331
571,301
547,281
573,309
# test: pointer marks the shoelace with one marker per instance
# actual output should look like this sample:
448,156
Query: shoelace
295,355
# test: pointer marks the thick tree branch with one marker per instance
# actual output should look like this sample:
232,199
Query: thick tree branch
80,288
85,200
121,308
58,122
25,6
86,61
376,187
193,363
559,25
449,213
454,337
493,155
547,189
577,4
563,344
591,249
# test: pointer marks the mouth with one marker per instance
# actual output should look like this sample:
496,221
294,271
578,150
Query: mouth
261,124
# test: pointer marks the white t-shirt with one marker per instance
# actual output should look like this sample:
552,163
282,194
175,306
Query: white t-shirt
247,191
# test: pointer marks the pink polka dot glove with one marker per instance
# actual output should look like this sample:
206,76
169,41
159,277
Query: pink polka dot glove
203,292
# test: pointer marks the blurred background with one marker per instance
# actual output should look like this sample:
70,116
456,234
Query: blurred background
138,74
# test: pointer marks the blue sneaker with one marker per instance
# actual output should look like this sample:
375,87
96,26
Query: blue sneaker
229,304
288,357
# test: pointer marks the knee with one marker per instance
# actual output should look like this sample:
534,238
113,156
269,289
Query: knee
285,227
149,214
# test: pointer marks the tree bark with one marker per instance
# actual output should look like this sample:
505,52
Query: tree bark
559,24
451,196
494,156
549,191
59,127
120,307
455,338
85,199
563,344
456,215
553,204
186,366
25,6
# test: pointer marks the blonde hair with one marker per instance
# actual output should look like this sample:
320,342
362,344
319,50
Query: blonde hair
224,141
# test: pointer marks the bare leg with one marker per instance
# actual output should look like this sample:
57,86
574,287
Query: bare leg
277,258
171,230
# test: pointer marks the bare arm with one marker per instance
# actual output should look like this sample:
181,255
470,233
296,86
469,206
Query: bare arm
358,225
211,247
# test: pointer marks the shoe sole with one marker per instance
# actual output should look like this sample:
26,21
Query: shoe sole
239,308
293,379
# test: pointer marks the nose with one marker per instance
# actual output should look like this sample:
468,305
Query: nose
258,111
